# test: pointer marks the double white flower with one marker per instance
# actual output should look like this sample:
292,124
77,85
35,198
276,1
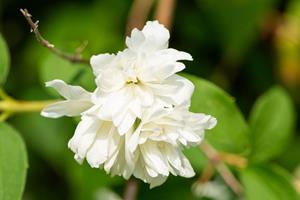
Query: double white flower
137,120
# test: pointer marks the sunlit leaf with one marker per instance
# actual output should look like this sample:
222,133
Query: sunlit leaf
268,183
13,163
196,157
231,132
272,121
4,60
54,67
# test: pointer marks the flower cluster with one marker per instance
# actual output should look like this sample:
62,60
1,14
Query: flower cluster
137,120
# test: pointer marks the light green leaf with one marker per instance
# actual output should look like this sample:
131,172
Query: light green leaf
196,157
4,60
54,67
267,183
106,194
272,121
231,132
49,138
13,163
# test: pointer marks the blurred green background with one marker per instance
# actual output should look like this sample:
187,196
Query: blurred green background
243,46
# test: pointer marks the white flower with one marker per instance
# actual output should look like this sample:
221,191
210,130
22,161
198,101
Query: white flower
137,121
159,138
101,145
132,79
94,139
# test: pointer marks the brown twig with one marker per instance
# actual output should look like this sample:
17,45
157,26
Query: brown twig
131,189
233,159
216,160
164,12
74,58
207,174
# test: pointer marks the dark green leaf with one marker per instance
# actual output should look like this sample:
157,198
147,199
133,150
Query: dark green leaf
13,163
272,121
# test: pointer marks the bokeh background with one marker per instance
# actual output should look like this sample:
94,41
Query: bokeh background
243,46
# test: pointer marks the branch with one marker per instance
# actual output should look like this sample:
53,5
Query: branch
207,174
74,58
131,189
138,14
233,159
16,106
216,160
165,11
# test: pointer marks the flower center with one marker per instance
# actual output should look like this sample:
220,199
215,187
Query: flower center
131,74
132,80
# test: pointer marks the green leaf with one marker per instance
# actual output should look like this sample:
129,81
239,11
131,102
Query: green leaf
86,181
49,138
196,157
107,194
272,121
4,60
13,163
267,183
231,132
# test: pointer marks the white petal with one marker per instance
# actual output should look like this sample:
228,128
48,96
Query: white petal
115,103
154,36
134,139
202,121
110,80
184,92
162,64
187,168
69,91
130,157
154,158
101,62
114,155
85,143
136,40
145,94
98,153
126,123
157,181
68,108
191,137
154,179
87,124
172,155
157,34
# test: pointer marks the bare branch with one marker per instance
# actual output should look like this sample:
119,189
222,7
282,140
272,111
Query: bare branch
165,11
216,160
138,14
131,189
74,58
